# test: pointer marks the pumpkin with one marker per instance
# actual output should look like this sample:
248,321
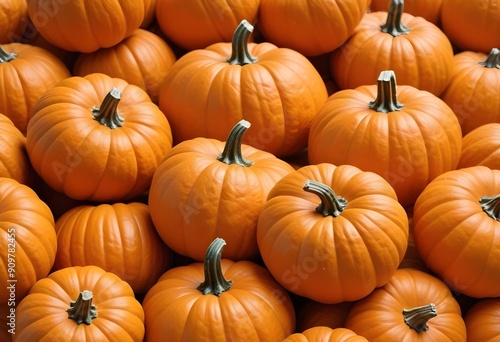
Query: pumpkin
412,306
481,146
30,242
430,10
472,93
236,301
406,135
332,233
8,321
142,59
26,72
456,219
86,25
149,13
472,25
13,18
206,188
125,237
325,334
278,90
411,258
193,24
80,304
419,52
310,27
481,321
97,138
313,314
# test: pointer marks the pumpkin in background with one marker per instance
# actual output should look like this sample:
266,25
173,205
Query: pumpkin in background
193,24
236,301
26,72
418,52
412,306
206,188
430,10
13,20
481,146
411,258
149,13
278,90
473,90
481,321
125,237
310,27
325,334
472,25
456,224
142,59
313,314
332,233
86,25
8,321
97,138
406,135
30,242
80,304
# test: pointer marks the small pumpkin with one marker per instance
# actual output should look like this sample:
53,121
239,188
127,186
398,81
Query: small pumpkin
325,334
481,321
481,146
13,20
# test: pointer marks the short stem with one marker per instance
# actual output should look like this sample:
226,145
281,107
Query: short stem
214,282
232,149
331,204
491,206
107,113
416,318
82,310
387,100
6,56
393,24
493,59
240,54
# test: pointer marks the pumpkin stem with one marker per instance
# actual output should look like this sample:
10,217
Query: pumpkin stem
214,282
6,56
82,310
240,54
493,59
387,100
393,24
232,148
416,318
491,206
107,114
331,204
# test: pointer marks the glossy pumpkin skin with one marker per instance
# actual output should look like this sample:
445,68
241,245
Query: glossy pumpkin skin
27,227
481,146
86,25
14,161
430,10
13,20
42,314
481,321
142,59
86,160
331,259
325,334
455,236
26,72
125,236
379,317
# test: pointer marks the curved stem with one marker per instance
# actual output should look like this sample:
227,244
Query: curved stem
393,24
214,282
331,204
416,318
240,54
387,100
491,206
107,114
6,56
493,59
82,310
232,149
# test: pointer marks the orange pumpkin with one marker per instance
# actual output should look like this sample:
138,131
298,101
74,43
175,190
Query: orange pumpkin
430,10
481,321
411,258
325,334
481,146
8,321
13,20
14,161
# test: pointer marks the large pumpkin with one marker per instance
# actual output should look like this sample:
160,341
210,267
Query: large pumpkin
13,20
278,90
481,146
332,233
97,138
481,321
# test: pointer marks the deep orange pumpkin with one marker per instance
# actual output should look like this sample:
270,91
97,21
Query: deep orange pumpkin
481,321
13,20
481,146
325,334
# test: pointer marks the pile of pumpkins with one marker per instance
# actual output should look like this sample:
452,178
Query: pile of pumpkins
260,170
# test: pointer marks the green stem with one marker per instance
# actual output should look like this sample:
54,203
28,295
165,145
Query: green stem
387,100
240,54
331,204
491,206
232,149
393,24
82,310
6,56
214,282
107,113
493,59
417,318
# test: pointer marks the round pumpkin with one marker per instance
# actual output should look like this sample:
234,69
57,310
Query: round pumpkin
325,334
481,146
278,90
481,321
332,233
430,10
97,138
80,304
236,301
13,20
456,221
406,135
